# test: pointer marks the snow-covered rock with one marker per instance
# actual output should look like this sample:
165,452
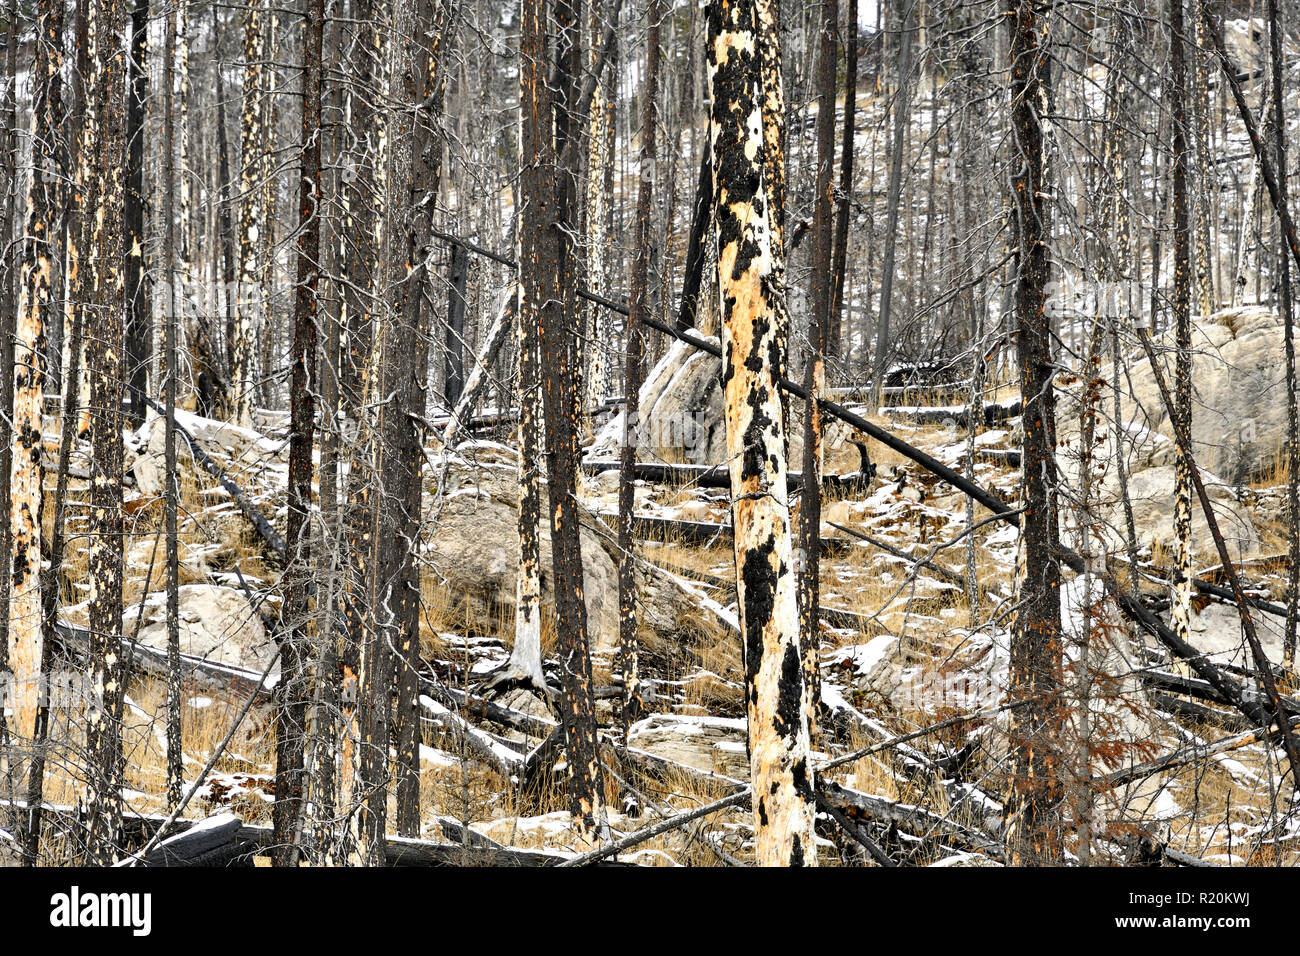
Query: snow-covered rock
1239,397
1152,494
1215,630
715,744
220,439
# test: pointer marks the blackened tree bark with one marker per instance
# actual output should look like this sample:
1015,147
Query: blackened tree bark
562,372
104,369
1035,835
138,325
292,690
753,348
252,221
820,298
536,192
454,361
36,304
49,589
424,84
844,208
1180,160
1292,419
10,267
219,395
701,217
629,652
902,111
171,495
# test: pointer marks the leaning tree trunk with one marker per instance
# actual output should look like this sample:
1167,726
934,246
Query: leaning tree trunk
753,342
1035,834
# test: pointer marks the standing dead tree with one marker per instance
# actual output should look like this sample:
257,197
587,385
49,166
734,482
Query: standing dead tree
748,200
1036,835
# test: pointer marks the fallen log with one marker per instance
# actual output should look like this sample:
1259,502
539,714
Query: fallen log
154,661
398,851
992,413
1199,712
700,532
907,816
211,842
917,392
999,456
1184,756
717,476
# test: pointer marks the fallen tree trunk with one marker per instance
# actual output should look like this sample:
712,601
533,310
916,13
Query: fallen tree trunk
959,415
856,805
398,851
154,661
211,842
717,476
701,532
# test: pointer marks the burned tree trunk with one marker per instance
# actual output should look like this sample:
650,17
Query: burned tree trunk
291,721
1036,648
171,492
629,652
423,84
561,390
1182,304
839,255
536,191
1292,416
252,220
810,501
138,325
104,370
753,345
36,303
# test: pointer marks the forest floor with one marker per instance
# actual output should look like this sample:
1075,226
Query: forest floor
906,651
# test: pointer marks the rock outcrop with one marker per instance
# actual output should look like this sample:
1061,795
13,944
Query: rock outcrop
682,418
474,546
216,623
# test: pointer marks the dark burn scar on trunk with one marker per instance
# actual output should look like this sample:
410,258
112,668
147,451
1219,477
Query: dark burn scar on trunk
789,692
760,593
754,459
796,851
